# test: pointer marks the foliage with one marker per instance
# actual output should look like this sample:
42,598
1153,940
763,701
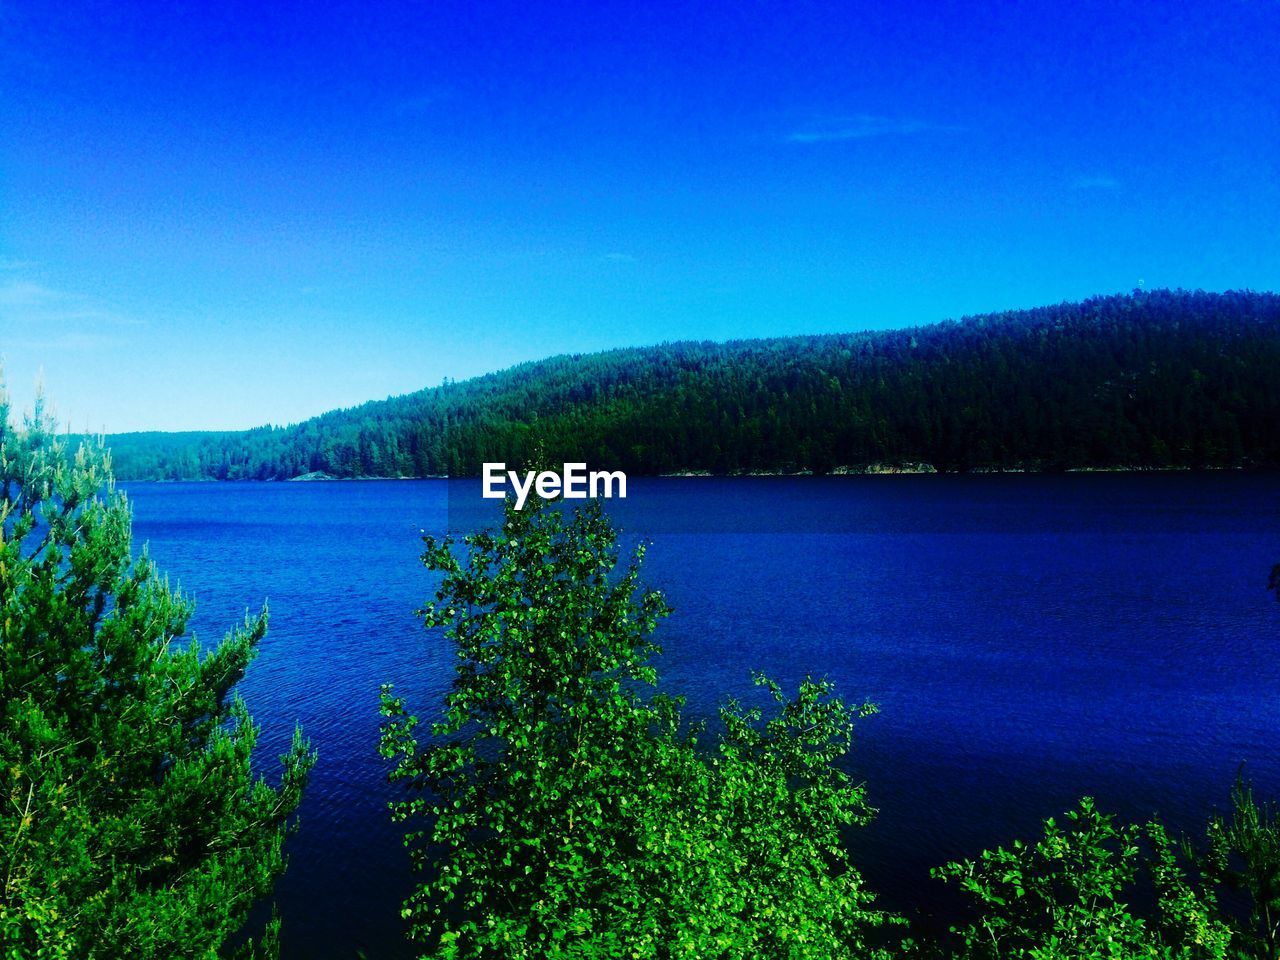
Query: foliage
1069,895
1153,379
560,808
132,825
1243,856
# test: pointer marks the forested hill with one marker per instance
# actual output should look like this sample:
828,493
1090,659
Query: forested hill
1155,379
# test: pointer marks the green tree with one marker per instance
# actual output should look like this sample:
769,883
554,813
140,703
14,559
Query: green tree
131,824
1070,896
1243,856
561,808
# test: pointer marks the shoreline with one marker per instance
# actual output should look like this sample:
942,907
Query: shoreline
871,470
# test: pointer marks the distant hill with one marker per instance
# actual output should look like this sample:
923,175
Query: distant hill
1154,379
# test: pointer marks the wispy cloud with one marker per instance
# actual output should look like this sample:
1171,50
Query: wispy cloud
861,126
1095,182
24,293
61,317
9,264
618,258
70,342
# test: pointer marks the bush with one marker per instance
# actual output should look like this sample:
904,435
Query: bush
561,808
1070,895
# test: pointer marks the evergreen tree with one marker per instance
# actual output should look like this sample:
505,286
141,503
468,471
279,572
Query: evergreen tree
1155,379
1243,858
131,822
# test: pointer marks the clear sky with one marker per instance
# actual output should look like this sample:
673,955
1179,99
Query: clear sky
223,215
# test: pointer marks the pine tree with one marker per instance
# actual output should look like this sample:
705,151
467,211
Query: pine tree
1243,858
131,824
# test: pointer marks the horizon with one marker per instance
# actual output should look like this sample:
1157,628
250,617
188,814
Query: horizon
259,216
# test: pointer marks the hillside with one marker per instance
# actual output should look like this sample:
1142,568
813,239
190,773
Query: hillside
1155,379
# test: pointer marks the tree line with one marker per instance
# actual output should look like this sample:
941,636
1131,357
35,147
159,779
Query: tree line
557,804
1172,379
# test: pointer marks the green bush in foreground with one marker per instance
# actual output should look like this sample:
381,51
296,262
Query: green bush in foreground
130,822
1243,859
1070,895
1093,888
562,809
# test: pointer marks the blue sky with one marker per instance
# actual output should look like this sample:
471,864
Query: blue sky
271,210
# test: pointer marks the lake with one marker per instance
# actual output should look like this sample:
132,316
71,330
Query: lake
1028,638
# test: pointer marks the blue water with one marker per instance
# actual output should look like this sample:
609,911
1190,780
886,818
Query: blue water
1028,638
